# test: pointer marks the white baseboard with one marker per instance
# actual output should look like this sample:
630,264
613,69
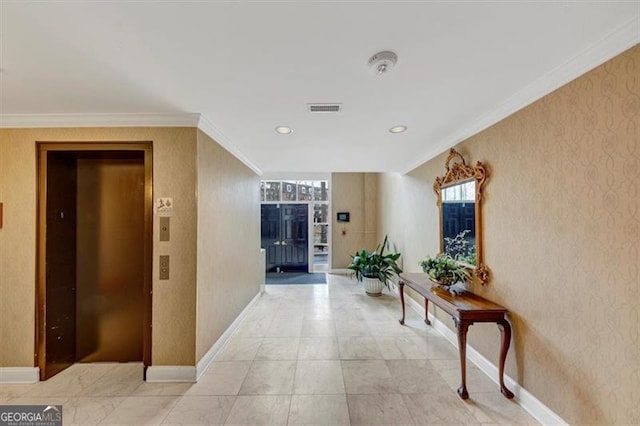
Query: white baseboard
340,271
188,373
19,375
525,399
207,359
171,373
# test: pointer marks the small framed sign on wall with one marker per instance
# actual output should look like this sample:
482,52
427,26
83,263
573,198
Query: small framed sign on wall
343,217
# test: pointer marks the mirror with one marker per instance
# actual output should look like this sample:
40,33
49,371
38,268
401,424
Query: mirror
459,194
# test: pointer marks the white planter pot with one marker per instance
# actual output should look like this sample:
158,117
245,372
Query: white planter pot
373,286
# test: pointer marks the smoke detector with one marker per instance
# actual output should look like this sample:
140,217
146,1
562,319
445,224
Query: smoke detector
382,62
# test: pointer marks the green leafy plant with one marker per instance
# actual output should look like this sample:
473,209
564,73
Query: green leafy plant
461,248
445,270
375,264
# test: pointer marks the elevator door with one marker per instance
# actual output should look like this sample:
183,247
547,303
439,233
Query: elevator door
60,270
110,259
96,261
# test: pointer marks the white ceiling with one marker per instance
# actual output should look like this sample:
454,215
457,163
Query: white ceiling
248,67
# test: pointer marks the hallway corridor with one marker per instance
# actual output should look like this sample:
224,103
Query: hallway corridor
305,354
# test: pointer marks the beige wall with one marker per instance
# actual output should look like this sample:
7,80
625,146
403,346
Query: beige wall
354,193
174,163
229,260
561,238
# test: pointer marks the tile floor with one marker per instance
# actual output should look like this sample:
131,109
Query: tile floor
309,354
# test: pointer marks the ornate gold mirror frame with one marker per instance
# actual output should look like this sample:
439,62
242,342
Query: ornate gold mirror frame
457,172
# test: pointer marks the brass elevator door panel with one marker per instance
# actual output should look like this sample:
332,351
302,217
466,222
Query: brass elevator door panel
60,270
110,259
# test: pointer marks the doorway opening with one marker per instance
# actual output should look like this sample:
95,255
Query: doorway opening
94,254
295,225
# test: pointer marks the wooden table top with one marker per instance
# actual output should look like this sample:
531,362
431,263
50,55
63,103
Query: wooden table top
459,305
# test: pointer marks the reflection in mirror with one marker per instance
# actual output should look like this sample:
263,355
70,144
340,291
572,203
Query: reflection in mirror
459,193
459,222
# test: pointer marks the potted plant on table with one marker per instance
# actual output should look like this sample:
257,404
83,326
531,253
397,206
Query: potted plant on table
445,270
375,268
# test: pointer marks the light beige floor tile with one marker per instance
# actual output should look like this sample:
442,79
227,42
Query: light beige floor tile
285,327
160,389
367,377
260,410
15,390
477,381
290,310
221,378
435,409
416,376
278,349
318,377
379,313
402,347
318,310
141,410
389,329
88,411
352,328
39,400
494,408
417,325
448,364
439,348
387,388
78,378
269,378
122,380
359,348
240,349
318,348
319,410
318,328
252,329
263,312
378,410
200,410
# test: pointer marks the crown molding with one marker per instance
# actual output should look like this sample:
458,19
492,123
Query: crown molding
612,44
214,133
22,121
98,120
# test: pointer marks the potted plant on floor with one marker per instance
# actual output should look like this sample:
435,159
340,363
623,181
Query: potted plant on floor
375,268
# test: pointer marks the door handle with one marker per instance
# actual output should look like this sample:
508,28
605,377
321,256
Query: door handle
277,243
283,243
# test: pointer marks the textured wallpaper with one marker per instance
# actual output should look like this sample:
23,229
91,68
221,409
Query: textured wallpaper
229,260
562,239
354,193
174,156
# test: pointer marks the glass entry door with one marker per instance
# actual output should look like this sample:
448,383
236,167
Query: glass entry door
285,237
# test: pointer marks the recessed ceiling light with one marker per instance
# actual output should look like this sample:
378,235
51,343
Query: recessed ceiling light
398,129
283,130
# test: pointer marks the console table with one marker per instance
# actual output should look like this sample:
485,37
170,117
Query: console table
465,309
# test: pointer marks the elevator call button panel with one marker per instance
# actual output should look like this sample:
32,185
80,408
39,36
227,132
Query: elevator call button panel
164,267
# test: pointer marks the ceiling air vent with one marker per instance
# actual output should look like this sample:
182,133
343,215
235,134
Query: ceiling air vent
324,108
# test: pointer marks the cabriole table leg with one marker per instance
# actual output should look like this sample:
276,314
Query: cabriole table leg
401,285
462,327
505,331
